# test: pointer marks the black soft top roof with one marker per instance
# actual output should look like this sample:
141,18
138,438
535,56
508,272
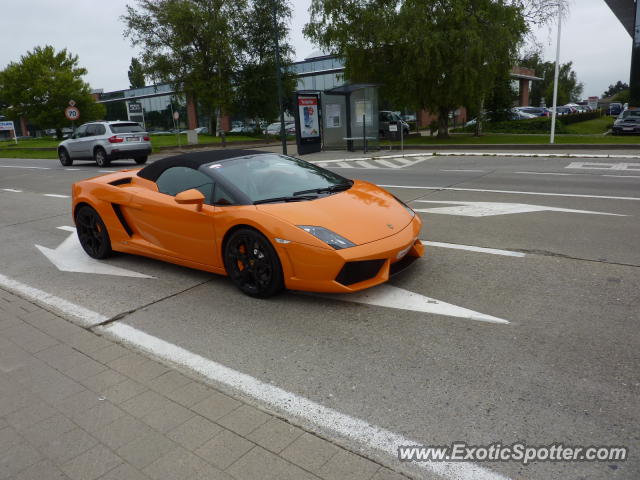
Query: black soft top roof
192,160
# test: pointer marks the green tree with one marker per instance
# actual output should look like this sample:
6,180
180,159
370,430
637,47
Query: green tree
618,87
40,86
622,96
427,54
192,44
569,88
136,74
256,87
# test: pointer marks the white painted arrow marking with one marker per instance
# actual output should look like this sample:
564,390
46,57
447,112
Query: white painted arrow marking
488,209
394,297
70,257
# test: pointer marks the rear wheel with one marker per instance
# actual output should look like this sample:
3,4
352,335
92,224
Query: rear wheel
141,160
64,157
92,233
100,156
253,264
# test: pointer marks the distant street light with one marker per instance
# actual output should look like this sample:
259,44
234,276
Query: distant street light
283,135
555,81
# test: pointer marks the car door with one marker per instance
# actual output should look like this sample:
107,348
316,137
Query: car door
171,229
85,142
75,144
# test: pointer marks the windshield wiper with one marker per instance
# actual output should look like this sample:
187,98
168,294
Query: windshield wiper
339,187
286,199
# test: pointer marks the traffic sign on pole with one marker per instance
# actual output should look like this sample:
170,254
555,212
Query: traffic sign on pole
72,113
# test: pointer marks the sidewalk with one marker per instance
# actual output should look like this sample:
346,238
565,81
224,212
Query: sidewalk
77,406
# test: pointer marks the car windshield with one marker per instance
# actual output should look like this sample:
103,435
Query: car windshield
630,114
125,128
263,177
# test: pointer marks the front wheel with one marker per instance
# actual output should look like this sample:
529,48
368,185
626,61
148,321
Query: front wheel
64,157
253,264
92,233
100,156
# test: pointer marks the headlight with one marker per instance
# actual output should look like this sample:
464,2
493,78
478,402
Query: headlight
327,236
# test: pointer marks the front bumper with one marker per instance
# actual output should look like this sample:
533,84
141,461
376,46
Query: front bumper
352,269
623,129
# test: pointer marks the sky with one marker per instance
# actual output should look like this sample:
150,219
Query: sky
592,38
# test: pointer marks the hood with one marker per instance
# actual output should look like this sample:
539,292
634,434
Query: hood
364,213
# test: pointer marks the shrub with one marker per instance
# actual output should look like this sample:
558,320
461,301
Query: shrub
533,125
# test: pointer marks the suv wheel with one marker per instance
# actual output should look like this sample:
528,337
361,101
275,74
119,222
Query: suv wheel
64,157
100,156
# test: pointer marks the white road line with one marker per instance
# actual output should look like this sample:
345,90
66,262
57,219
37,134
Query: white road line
55,195
23,166
512,191
84,316
72,169
289,404
389,296
471,248
489,209
365,164
545,173
461,170
577,174
343,164
12,190
633,167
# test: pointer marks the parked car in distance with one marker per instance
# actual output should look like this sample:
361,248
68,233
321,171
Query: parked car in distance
628,122
536,111
387,118
513,114
106,141
614,109
199,130
562,110
274,128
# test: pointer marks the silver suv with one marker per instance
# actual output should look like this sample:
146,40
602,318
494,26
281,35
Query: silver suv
106,141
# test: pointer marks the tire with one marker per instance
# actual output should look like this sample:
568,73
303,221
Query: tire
64,157
253,264
92,233
141,160
100,156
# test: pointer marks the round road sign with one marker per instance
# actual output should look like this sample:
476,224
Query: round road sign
72,113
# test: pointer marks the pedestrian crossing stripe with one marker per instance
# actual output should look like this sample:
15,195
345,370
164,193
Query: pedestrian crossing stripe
373,163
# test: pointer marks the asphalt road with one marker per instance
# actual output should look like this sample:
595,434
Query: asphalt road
564,369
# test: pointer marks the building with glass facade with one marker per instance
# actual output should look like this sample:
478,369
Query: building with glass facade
319,72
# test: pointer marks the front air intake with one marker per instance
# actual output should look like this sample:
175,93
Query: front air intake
356,272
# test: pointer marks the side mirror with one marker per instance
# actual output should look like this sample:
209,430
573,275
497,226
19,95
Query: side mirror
190,197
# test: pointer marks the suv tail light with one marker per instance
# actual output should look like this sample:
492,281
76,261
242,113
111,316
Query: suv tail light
146,138
116,139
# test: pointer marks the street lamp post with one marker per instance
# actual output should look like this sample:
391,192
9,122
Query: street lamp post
555,81
283,136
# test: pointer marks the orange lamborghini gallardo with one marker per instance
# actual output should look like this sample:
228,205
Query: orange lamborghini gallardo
268,221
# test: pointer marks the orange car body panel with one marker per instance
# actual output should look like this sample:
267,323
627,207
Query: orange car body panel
142,221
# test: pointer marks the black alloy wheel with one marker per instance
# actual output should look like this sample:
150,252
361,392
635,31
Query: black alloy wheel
100,156
92,233
253,264
64,157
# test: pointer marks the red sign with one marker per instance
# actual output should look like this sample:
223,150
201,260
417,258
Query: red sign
72,113
307,101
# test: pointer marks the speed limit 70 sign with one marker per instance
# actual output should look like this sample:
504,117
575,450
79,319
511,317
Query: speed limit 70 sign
72,113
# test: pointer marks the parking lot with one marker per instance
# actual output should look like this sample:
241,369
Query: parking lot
519,324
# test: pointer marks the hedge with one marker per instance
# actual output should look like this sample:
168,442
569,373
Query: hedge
538,124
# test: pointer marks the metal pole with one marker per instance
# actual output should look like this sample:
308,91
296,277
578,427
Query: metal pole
283,136
634,81
364,132
401,135
555,81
